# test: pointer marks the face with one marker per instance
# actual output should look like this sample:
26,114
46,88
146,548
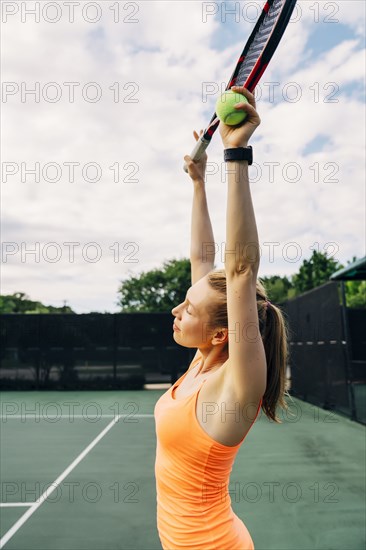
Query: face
191,317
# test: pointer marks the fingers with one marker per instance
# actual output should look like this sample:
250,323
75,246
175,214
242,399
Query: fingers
189,164
196,136
189,160
249,109
241,90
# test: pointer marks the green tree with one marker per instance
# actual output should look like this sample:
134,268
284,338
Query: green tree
19,302
7,304
158,290
314,272
355,290
279,289
356,294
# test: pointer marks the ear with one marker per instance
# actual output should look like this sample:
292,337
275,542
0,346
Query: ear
221,336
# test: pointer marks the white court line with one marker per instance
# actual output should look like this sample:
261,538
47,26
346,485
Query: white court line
57,482
11,504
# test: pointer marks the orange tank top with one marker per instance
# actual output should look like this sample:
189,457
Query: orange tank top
192,473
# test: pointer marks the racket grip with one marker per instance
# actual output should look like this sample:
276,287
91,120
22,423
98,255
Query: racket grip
198,151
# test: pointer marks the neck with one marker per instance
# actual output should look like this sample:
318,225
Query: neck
211,360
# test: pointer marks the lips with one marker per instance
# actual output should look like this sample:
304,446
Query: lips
175,327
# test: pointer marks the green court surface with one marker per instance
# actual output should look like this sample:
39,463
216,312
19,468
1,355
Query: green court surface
298,485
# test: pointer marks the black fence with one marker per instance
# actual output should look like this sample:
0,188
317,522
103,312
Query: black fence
125,351
328,351
89,351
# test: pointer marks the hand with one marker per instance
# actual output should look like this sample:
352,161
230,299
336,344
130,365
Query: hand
197,168
238,136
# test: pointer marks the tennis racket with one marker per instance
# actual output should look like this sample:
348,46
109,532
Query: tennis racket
253,60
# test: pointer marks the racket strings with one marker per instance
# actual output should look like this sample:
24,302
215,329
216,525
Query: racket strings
259,41
256,55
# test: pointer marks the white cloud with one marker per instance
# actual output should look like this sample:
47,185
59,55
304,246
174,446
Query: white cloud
169,57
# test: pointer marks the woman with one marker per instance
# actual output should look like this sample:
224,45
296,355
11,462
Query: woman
203,419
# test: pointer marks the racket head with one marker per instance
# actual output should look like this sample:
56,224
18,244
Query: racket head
262,43
258,50
255,57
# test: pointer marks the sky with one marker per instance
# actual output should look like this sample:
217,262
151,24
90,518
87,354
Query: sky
99,103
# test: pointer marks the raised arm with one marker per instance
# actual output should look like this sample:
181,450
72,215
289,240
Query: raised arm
202,253
246,367
242,244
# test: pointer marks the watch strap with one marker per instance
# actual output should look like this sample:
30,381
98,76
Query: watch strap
239,153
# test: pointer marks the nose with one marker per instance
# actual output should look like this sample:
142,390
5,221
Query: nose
175,311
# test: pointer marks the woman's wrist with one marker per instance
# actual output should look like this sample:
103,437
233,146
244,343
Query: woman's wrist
228,145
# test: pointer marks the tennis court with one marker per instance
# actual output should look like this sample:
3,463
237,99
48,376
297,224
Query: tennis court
299,485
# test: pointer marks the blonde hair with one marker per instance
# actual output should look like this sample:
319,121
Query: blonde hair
274,332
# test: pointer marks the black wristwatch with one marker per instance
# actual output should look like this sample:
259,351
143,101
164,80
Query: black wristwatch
239,153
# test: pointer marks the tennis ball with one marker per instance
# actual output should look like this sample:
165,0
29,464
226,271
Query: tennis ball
225,108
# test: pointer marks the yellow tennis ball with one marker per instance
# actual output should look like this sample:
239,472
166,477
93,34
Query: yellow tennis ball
225,107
